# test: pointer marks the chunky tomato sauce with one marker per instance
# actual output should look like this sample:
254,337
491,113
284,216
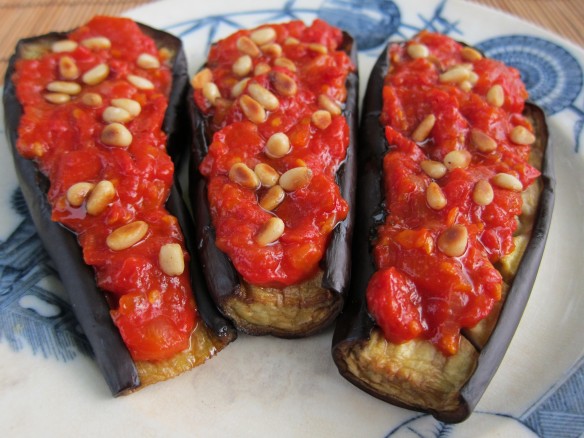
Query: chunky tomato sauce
449,217
297,65
153,310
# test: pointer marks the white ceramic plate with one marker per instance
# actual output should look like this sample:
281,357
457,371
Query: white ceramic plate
50,386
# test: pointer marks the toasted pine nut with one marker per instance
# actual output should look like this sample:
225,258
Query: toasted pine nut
91,99
465,86
57,98
284,84
473,78
171,259
77,193
114,114
211,92
521,135
116,134
318,48
482,141
435,196
100,197
321,119
470,54
453,240
270,231
147,61
291,41
201,78
96,43
457,159
455,74
326,103
261,69
272,198
68,68
239,88
130,105
246,46
141,83
508,182
263,36
64,87
482,193
242,66
252,109
64,46
285,63
434,169
295,178
423,130
278,145
272,49
267,175
241,174
96,75
127,235
418,51
496,96
264,96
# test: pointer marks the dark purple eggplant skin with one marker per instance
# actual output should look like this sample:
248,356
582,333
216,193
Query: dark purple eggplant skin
222,278
355,323
88,301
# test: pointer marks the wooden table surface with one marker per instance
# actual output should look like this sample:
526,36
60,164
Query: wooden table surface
22,18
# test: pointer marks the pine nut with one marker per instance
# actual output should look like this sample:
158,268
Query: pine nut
265,97
131,106
241,174
321,119
171,259
147,61
77,193
434,169
465,86
246,46
114,114
267,175
100,197
284,84
92,99
457,159
68,68
252,109
70,88
317,48
261,69
127,235
242,66
482,141
453,240
482,193
423,130
521,135
141,83
435,196
238,89
272,49
263,36
211,92
456,74
470,54
508,182
270,231
97,43
96,75
418,51
326,103
278,145
295,178
285,63
473,78
57,98
496,96
64,46
117,135
273,198
201,78
291,41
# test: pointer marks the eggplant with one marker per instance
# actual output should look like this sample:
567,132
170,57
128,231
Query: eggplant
450,389
224,282
122,374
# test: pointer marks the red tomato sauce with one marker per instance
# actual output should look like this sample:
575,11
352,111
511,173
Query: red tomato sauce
309,214
154,311
423,289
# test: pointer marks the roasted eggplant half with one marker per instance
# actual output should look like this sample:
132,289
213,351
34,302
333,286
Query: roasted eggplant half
67,91
289,92
441,371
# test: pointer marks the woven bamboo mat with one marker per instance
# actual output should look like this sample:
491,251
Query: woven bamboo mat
22,18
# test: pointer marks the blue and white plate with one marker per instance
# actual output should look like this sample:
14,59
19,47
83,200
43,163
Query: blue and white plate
50,386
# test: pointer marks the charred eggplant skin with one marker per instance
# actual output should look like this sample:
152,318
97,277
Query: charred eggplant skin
355,323
88,301
222,278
